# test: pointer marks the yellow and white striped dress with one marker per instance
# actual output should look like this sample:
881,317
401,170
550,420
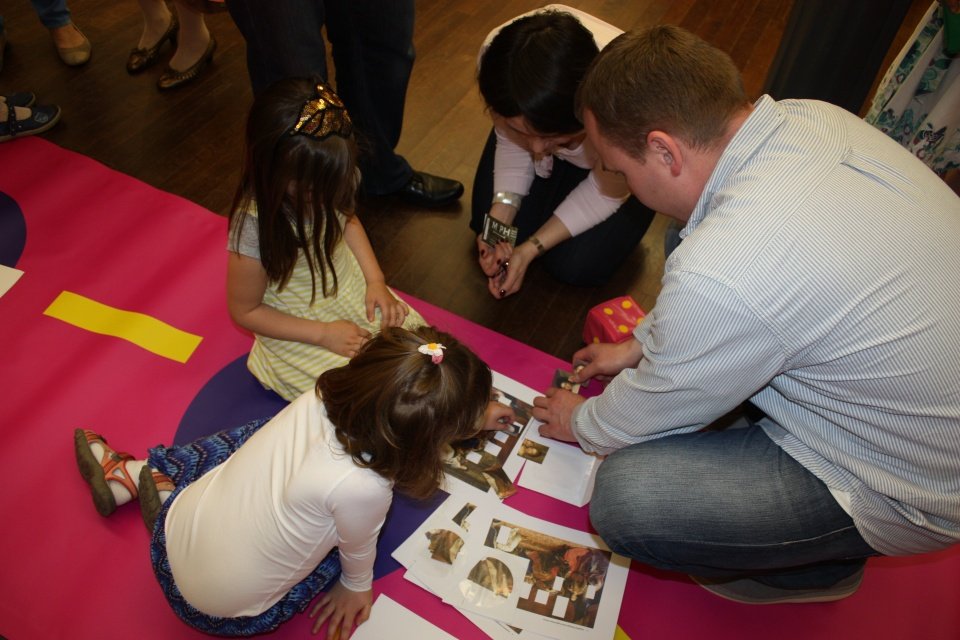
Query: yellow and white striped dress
291,368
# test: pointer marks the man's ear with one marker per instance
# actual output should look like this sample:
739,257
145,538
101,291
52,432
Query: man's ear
664,149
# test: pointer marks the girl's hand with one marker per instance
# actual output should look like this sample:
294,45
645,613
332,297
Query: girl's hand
492,258
343,337
392,311
343,608
497,417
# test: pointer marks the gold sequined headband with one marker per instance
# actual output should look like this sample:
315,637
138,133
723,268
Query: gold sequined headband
323,116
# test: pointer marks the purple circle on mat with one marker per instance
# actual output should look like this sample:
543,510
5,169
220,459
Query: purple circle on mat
234,397
13,231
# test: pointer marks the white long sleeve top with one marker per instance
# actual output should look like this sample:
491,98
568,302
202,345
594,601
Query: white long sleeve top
240,537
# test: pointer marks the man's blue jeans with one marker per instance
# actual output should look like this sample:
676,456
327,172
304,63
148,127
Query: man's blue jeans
720,504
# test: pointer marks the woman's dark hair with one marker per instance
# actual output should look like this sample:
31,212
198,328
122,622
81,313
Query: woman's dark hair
298,184
395,411
533,67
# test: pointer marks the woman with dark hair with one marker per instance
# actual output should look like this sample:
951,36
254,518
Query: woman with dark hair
539,182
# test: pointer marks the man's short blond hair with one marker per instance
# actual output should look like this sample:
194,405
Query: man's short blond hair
663,78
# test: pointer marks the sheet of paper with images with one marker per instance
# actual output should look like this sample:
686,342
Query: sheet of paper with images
432,552
485,465
557,469
386,616
492,560
494,629
434,548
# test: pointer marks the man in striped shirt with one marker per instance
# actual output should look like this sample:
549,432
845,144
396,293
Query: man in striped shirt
817,287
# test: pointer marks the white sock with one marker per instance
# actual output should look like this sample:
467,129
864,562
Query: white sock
120,493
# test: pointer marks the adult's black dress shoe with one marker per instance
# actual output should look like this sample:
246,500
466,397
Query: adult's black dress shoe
171,78
140,59
426,190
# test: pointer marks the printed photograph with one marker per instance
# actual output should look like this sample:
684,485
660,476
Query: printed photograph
564,580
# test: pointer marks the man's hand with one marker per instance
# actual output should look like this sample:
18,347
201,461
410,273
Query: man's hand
555,411
602,359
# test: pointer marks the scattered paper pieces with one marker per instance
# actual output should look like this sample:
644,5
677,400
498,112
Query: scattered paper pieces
486,464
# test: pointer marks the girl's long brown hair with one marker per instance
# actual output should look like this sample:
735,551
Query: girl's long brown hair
298,184
395,411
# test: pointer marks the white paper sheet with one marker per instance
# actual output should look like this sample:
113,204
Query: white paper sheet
8,278
387,616
557,469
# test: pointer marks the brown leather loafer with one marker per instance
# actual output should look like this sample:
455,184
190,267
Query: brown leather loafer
171,78
141,58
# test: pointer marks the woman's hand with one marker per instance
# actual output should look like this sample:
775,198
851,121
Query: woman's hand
491,259
344,609
510,278
342,337
392,311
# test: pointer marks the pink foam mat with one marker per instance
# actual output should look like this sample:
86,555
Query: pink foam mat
65,572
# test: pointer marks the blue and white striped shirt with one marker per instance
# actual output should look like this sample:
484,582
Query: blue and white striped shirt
819,277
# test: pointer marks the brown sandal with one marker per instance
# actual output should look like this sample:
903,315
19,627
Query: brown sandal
151,483
99,474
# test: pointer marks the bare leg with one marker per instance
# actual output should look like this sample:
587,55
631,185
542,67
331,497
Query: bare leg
194,38
156,20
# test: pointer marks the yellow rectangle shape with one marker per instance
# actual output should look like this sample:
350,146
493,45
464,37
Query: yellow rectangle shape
142,330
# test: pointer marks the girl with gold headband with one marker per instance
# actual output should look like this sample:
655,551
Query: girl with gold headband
301,273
